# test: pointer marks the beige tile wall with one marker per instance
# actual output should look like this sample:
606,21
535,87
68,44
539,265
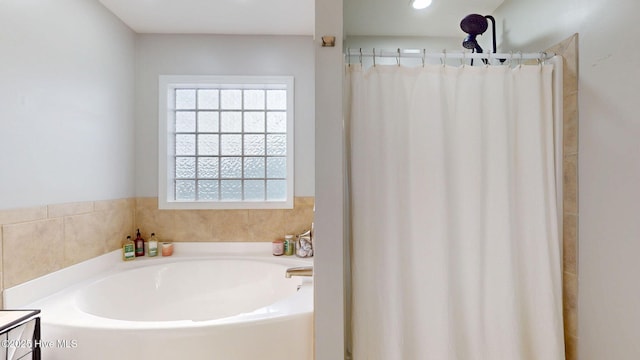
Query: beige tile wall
568,49
40,240
223,225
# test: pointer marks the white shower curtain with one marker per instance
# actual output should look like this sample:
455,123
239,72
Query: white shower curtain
455,249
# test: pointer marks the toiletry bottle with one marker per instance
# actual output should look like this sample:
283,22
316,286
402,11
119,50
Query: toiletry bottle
128,249
289,245
277,247
139,244
152,245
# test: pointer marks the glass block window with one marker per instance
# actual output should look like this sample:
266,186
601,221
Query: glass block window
226,142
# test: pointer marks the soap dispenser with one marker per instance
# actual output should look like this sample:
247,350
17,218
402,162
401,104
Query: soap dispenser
139,244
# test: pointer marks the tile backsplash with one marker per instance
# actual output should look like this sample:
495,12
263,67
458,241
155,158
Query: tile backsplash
40,240
223,225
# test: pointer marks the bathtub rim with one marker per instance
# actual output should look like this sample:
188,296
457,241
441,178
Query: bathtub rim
24,294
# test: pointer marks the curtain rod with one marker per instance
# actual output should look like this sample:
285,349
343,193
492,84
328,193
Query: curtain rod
423,54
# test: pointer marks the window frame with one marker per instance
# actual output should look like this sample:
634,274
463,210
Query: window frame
166,136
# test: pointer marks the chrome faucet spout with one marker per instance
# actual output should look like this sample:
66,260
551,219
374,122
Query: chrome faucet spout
299,271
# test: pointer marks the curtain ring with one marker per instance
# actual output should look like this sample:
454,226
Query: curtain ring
398,58
360,57
520,61
374,57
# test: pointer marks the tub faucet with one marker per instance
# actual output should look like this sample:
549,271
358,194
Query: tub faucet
299,271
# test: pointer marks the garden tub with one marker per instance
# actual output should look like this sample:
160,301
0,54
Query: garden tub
208,301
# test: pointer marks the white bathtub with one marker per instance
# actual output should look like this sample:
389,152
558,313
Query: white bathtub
222,301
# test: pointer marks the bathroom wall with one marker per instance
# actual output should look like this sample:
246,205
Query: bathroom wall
330,225
159,54
430,43
66,129
222,55
66,134
608,171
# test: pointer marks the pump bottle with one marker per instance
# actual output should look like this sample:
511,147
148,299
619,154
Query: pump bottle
139,244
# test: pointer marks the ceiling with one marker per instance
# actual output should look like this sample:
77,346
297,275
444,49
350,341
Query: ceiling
294,17
244,17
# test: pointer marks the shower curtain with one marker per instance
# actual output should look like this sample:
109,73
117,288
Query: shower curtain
455,246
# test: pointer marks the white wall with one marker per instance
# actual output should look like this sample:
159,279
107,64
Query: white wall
222,55
66,114
329,220
609,158
430,43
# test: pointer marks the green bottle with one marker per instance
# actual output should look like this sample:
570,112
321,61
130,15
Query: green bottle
289,245
128,249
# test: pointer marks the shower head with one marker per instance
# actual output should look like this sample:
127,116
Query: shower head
474,24
470,43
